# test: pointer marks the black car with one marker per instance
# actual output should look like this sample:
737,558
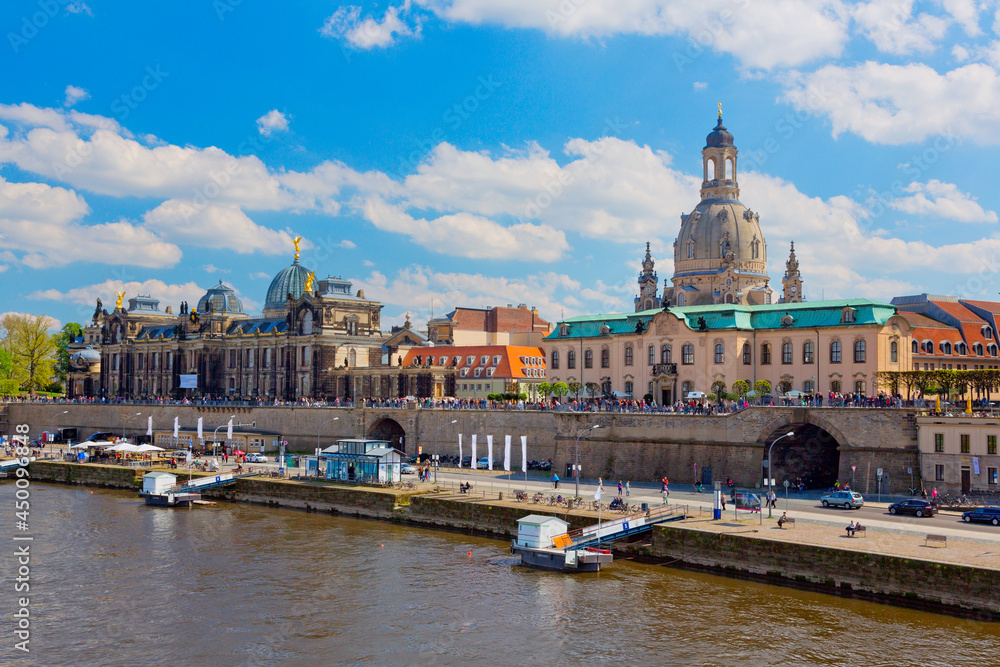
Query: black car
983,514
915,507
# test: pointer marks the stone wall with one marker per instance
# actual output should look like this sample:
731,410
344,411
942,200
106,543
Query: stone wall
114,477
909,582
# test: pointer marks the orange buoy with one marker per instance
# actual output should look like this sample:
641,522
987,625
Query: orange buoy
470,553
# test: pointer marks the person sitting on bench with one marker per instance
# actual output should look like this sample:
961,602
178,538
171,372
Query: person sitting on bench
851,529
782,519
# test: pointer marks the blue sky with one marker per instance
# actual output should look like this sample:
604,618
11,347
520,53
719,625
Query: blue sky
484,152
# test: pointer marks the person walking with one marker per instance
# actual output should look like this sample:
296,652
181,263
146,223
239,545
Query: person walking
934,494
628,488
722,497
621,488
555,481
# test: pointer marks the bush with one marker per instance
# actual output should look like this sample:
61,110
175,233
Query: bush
648,398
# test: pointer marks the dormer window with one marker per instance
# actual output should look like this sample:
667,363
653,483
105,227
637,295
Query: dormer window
430,361
478,372
563,329
471,360
496,360
485,360
464,372
489,372
847,317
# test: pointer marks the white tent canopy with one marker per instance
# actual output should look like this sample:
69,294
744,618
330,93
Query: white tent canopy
148,448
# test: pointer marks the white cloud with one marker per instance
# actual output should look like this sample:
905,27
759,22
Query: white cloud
215,226
272,121
346,24
367,263
168,294
700,85
942,200
75,94
348,244
260,275
893,28
896,104
211,268
760,35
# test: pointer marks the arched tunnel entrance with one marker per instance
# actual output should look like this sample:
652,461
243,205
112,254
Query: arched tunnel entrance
811,454
389,429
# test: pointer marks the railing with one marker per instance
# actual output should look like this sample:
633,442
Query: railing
649,518
664,369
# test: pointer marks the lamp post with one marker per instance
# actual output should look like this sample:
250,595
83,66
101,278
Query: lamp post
125,421
768,469
66,412
576,465
436,458
215,433
318,431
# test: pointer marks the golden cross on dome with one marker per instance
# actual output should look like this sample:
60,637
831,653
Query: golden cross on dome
720,109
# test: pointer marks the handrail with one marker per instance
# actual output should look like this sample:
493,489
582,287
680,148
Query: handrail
654,513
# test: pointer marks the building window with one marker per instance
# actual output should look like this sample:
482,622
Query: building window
665,354
808,350
915,347
991,476
964,441
571,359
859,386
939,473
628,388
628,355
232,358
686,388
939,443
652,355
945,347
605,358
807,386
687,354
894,352
747,354
991,444
786,353
690,249
859,352
835,352
555,359
835,386
720,353
588,359
765,354
848,316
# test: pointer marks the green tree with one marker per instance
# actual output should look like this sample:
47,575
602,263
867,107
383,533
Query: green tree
560,389
741,387
574,388
66,337
544,388
592,389
719,389
762,387
31,347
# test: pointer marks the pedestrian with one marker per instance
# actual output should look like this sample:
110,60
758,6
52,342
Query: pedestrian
621,487
773,498
934,494
555,481
722,497
600,483
628,488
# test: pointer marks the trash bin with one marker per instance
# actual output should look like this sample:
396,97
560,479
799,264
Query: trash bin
717,514
645,507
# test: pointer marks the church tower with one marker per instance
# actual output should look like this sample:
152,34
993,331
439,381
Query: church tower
792,280
648,283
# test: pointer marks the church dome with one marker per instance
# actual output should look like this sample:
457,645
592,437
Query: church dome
719,136
221,297
85,357
290,280
713,230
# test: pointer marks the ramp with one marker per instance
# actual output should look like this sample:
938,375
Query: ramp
616,529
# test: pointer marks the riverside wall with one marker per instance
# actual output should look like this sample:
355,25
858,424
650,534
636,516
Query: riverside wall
636,446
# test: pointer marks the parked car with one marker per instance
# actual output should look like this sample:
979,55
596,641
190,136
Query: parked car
914,506
407,469
256,458
467,462
846,499
483,462
984,515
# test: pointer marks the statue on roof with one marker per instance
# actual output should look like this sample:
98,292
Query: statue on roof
97,311
702,324
194,316
310,277
120,296
295,242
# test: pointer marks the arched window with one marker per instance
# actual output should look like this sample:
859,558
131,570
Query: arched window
993,349
720,353
786,353
755,248
685,388
687,354
571,359
765,354
628,388
835,386
859,352
978,349
352,358
690,253
808,387
605,358
555,359
747,360
915,347
835,352
652,355
588,359
859,386
894,352
808,350
710,173
682,297
628,355
665,354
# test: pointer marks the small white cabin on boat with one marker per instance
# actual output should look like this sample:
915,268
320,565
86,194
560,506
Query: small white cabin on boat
158,482
536,531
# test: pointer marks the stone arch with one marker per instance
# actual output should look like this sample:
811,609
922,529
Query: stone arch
813,453
389,429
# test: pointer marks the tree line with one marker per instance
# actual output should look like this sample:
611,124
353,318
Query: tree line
939,382
31,358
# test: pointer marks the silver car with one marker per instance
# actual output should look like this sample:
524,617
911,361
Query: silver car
846,499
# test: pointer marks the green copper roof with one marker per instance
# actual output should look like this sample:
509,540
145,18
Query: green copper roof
807,315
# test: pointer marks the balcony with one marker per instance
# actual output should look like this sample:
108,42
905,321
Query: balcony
664,369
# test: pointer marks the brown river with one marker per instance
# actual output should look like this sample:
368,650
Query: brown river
116,583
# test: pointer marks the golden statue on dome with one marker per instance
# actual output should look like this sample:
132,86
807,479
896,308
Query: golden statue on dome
120,296
309,281
720,109
295,242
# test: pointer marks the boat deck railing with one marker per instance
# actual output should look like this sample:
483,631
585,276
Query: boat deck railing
620,527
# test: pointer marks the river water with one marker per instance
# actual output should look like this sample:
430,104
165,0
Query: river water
116,583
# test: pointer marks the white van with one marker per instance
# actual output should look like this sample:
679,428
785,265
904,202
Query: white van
696,396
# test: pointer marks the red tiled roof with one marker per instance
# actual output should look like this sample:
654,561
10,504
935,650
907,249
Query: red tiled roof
515,363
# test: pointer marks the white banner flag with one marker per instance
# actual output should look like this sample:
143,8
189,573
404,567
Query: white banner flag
229,432
474,461
459,450
177,425
489,450
506,453
149,426
597,494
187,457
524,453
201,422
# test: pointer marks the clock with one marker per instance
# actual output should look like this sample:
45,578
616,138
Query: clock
793,289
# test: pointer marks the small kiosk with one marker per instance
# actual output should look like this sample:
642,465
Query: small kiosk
362,461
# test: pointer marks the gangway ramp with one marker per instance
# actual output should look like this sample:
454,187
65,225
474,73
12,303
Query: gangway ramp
616,529
204,483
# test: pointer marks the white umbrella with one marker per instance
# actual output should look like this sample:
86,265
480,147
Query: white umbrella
148,448
122,448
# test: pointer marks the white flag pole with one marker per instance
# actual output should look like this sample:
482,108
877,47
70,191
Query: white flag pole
475,462
149,427
489,451
506,453
524,457
459,451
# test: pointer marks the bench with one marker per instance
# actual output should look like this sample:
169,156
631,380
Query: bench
858,529
937,539
790,520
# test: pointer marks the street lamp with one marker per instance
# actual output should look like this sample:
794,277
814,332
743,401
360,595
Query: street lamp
436,458
66,412
576,465
768,469
126,422
318,431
